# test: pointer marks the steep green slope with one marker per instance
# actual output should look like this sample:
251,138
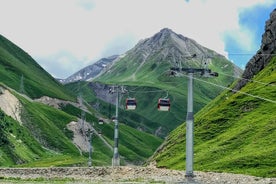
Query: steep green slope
17,146
38,137
134,146
43,139
20,72
155,84
48,126
236,132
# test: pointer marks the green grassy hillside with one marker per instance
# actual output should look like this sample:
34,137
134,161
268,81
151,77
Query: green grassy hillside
44,140
153,81
236,132
39,136
21,72
134,146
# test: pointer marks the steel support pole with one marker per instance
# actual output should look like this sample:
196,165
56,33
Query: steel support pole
116,157
90,150
190,130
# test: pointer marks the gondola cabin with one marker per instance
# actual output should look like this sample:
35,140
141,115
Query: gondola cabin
164,104
100,132
101,121
131,104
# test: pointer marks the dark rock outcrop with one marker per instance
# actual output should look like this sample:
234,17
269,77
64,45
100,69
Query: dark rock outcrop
263,55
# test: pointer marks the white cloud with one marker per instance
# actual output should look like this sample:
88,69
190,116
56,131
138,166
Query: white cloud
88,29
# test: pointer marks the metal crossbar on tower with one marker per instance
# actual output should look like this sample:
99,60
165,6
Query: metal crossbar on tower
190,114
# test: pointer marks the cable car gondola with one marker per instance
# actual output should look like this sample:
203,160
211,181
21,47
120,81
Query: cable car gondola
100,132
131,104
101,121
164,104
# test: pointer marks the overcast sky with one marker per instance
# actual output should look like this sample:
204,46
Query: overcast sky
64,36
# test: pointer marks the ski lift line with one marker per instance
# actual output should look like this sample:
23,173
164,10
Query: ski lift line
244,93
250,80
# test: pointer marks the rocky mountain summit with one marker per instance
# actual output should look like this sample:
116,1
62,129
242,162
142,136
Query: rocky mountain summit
169,46
264,54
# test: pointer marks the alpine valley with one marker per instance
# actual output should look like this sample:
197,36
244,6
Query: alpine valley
144,72
48,122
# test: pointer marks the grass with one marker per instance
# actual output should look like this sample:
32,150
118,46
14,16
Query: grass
135,146
45,141
57,160
38,180
21,72
44,121
146,116
151,81
234,133
17,146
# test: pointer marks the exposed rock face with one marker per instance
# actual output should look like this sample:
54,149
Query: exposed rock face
264,54
168,46
81,134
10,104
102,92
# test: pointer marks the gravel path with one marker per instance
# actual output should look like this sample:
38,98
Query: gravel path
126,175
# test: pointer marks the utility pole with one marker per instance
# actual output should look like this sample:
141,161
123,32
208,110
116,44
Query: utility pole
190,114
82,111
82,122
116,156
22,89
190,129
90,148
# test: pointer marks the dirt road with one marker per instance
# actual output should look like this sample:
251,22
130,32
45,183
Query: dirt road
126,174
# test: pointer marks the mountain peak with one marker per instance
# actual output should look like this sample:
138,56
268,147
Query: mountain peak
166,30
172,47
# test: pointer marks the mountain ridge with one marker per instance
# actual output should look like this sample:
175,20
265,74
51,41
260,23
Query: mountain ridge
163,48
91,71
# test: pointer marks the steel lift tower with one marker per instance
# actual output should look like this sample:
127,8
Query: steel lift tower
116,157
190,114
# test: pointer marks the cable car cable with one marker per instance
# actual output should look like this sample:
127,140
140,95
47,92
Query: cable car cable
250,80
248,94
